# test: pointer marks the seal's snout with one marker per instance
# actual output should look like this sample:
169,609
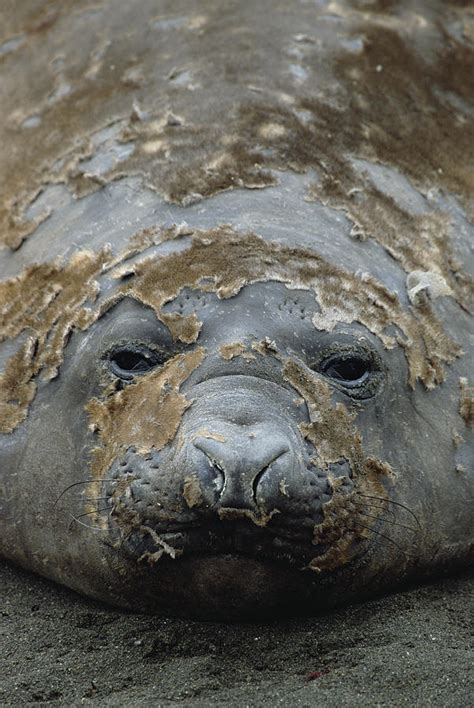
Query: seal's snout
243,468
242,453
240,477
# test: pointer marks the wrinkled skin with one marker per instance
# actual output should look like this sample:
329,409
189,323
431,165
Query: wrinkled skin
288,448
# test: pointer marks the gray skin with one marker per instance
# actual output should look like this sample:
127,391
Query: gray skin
232,567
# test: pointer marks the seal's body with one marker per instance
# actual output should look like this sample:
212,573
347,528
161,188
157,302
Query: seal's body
235,300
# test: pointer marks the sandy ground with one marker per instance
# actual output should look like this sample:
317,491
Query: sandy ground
410,649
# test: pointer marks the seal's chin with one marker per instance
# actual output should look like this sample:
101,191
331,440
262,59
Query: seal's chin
223,570
223,586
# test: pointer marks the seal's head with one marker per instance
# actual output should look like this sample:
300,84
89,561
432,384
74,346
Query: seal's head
226,427
230,460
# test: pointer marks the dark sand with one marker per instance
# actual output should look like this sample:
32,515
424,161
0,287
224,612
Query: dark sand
410,649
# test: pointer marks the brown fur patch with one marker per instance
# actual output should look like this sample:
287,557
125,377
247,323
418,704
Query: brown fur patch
466,402
234,349
46,301
332,432
17,390
145,415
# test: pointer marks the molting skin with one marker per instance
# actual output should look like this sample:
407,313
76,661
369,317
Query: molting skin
235,353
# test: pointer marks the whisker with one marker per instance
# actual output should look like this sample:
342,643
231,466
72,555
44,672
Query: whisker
94,511
87,526
75,484
366,505
86,513
393,523
377,533
390,501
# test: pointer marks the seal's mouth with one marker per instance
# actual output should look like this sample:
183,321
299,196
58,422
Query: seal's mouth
242,538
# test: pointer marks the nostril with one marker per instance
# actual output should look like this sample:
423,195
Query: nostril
216,466
264,470
211,454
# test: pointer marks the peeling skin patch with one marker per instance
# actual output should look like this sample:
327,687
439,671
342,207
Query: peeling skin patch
458,439
11,45
264,346
259,519
163,548
334,436
192,491
146,415
48,301
16,227
420,243
272,130
17,390
283,487
185,329
466,402
331,429
234,349
422,284
204,433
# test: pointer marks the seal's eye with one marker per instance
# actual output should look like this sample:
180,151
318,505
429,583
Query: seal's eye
351,371
130,361
356,370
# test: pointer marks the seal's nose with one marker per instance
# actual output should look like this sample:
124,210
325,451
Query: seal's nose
232,468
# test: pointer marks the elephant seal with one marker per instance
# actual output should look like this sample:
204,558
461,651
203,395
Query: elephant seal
235,300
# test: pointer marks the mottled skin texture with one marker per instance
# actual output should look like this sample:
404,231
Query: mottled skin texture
272,399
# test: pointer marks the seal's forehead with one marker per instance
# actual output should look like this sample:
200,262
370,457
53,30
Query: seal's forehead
288,213
116,213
